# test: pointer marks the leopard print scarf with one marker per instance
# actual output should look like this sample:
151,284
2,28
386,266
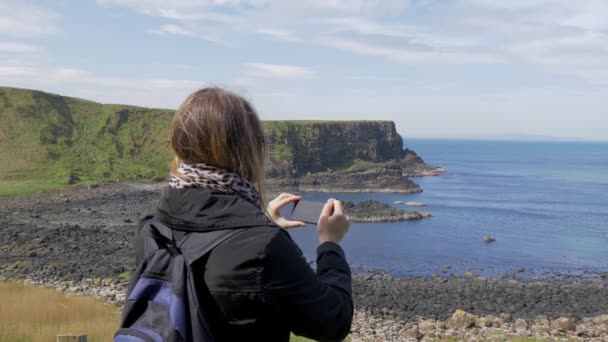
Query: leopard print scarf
213,178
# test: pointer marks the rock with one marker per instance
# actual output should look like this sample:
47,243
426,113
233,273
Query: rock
599,332
415,204
425,214
489,238
450,334
461,319
505,317
374,211
563,324
483,322
521,269
581,330
73,179
521,324
469,275
414,333
426,325
497,322
541,329
603,319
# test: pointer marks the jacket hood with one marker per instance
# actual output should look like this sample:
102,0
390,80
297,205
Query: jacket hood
197,209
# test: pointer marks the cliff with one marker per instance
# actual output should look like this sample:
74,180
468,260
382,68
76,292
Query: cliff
299,147
48,140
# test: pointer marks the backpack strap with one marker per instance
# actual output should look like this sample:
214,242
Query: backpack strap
194,245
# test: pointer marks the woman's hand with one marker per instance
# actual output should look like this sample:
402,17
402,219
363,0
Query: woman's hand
274,210
333,224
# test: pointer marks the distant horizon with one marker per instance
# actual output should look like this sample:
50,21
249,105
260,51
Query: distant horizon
508,137
498,139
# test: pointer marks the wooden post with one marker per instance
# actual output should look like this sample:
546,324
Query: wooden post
71,338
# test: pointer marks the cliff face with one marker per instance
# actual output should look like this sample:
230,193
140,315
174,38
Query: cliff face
299,147
50,140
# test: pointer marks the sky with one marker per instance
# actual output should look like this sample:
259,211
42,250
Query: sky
438,68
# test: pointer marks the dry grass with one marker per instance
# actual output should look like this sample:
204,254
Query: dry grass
35,314
32,314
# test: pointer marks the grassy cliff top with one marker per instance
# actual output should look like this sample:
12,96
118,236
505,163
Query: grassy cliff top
48,140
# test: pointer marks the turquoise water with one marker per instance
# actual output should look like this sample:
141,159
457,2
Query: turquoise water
546,203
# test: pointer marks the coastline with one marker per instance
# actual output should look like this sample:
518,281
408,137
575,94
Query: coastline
80,240
388,177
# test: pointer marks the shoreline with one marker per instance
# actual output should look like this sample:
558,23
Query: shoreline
401,309
80,240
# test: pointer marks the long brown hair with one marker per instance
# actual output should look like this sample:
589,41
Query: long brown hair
220,128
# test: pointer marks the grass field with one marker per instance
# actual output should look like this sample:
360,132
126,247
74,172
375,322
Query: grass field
37,315
31,314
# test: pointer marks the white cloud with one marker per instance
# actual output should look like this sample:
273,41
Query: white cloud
587,14
34,75
277,34
18,19
412,55
13,47
148,92
278,71
173,29
195,9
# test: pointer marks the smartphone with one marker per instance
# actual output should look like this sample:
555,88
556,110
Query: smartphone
307,211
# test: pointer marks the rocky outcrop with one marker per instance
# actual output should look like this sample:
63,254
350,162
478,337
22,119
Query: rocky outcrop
414,166
319,146
369,180
374,211
302,147
489,238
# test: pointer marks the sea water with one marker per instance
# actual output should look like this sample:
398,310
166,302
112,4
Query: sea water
545,202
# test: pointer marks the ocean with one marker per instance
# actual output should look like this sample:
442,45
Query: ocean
545,202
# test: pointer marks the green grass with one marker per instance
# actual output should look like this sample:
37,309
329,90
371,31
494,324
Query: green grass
125,275
48,139
12,188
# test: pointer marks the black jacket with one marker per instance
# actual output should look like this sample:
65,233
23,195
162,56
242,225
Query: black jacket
257,285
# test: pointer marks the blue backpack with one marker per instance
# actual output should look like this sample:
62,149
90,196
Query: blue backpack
162,303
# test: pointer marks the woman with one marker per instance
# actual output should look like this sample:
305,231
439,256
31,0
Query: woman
258,285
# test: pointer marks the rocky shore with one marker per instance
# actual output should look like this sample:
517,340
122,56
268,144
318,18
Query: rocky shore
382,317
390,176
80,240
374,211
370,180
